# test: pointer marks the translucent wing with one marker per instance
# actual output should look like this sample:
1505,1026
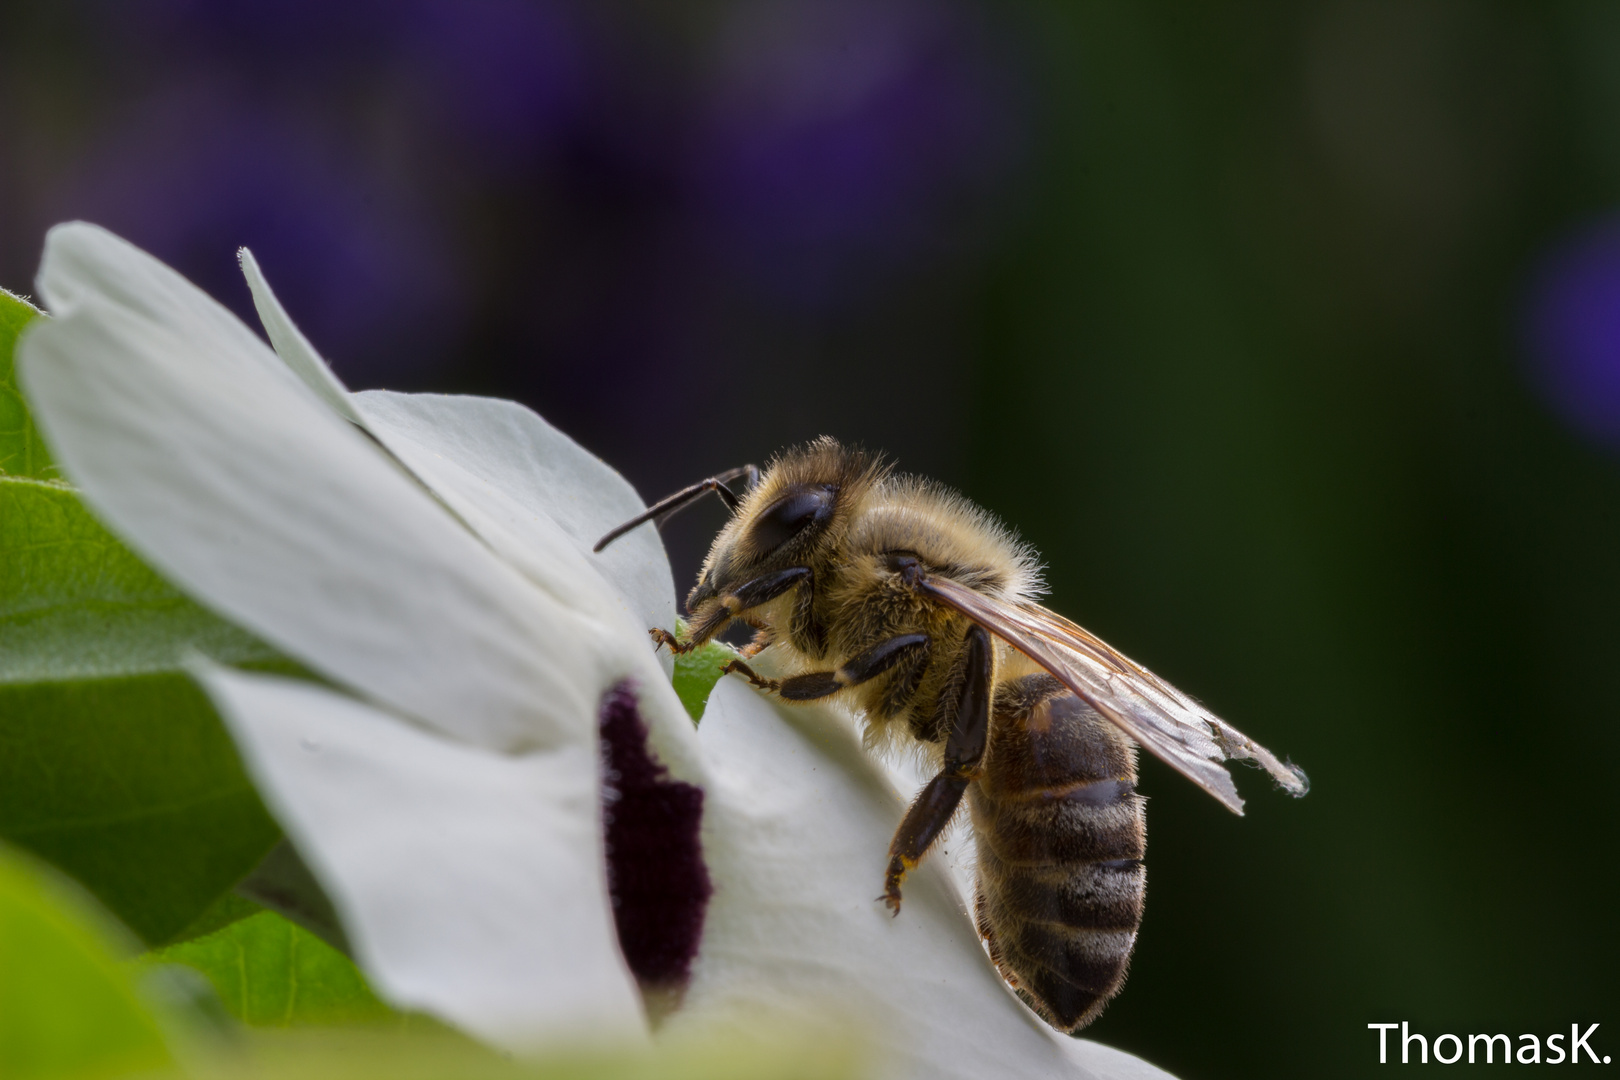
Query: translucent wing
1164,721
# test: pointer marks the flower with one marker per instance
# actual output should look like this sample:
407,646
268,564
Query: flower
838,139
1572,331
427,557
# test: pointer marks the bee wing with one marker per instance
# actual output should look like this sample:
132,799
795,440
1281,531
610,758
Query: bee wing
1167,723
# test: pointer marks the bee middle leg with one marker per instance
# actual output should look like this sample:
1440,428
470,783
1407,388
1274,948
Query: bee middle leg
936,804
714,614
814,685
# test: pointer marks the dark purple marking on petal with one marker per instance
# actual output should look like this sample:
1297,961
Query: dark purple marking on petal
656,874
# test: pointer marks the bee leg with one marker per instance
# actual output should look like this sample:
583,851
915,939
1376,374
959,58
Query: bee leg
929,814
737,667
936,804
716,616
763,636
661,636
815,685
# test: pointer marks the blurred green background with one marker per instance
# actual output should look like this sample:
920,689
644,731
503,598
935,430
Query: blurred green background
1288,332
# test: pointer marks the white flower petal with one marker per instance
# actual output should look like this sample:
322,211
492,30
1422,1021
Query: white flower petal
471,884
90,265
499,446
501,460
533,494
291,345
199,448
797,827
502,470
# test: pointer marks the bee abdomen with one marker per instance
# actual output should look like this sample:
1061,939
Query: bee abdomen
1061,838
1064,945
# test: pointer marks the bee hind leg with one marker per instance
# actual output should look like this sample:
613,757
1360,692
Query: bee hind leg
936,804
933,809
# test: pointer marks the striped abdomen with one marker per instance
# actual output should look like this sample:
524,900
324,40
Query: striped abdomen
1061,835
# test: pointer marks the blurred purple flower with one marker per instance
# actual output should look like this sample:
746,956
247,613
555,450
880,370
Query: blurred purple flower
502,76
499,75
196,172
841,139
279,38
1573,331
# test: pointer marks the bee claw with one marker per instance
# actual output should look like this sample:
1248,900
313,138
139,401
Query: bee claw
891,888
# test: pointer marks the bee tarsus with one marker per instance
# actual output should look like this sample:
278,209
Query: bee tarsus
737,667
662,637
891,885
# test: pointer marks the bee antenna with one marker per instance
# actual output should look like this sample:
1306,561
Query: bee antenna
667,507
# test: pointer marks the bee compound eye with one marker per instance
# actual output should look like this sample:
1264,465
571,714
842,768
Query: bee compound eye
789,516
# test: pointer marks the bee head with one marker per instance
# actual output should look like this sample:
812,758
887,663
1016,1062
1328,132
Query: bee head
777,536
788,520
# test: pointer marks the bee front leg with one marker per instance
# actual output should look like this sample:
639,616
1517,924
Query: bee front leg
712,613
662,637
936,804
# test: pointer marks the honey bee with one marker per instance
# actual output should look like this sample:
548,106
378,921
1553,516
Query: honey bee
919,610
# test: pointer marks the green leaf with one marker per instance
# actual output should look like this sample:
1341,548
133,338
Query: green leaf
113,764
75,604
284,883
767,1050
229,908
22,452
696,673
131,786
774,1052
67,1006
270,972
